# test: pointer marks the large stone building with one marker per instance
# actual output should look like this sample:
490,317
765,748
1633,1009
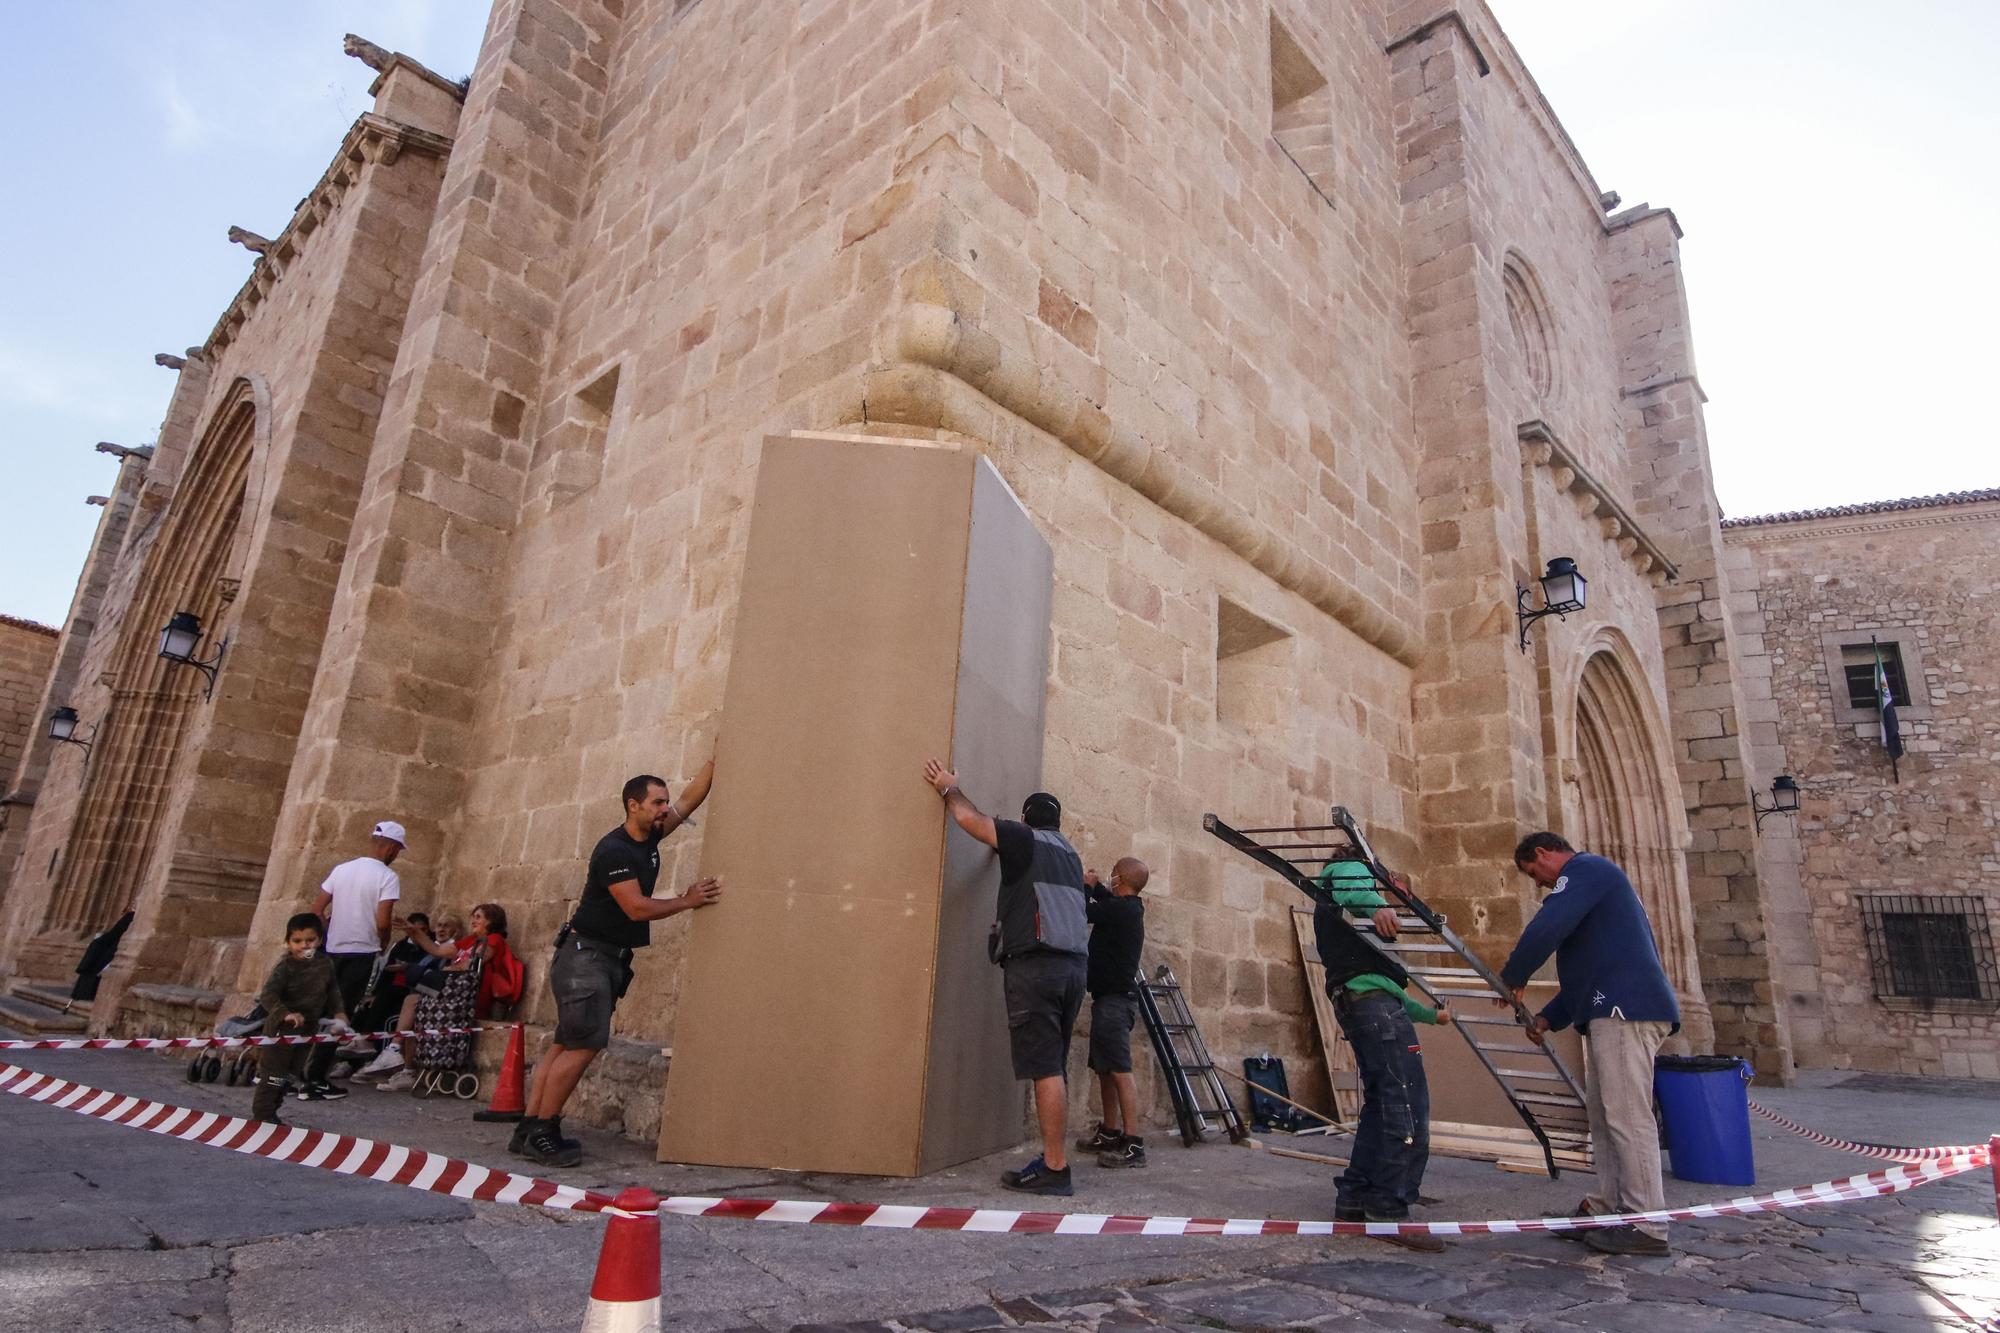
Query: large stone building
1301,330
1885,895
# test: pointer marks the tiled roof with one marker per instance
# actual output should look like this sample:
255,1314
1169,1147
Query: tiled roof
1873,507
34,625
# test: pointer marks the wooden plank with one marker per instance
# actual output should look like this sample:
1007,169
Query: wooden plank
1333,1047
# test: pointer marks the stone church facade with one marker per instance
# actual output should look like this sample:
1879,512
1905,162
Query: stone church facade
1302,331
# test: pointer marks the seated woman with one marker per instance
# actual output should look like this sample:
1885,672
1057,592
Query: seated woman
482,953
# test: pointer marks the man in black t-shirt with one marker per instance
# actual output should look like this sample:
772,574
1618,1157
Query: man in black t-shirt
593,962
1041,940
1117,934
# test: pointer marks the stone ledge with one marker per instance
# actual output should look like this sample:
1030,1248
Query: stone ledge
1540,447
155,1009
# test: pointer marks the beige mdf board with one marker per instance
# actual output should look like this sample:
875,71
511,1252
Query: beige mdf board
839,1013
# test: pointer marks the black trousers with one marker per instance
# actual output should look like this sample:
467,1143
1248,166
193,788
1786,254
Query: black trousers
350,972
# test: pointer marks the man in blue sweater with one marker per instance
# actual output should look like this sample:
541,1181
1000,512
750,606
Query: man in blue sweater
1612,987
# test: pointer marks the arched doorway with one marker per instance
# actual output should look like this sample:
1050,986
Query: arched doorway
194,565
1626,809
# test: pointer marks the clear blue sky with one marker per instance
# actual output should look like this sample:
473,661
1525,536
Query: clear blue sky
1830,160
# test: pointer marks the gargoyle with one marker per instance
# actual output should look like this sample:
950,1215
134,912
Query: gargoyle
367,53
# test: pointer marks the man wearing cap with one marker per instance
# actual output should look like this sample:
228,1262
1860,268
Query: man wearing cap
355,902
1042,941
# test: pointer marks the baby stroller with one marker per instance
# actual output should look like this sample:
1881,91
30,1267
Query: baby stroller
236,1064
442,1066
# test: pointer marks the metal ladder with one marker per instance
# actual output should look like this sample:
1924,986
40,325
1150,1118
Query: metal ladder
1200,1101
1531,1074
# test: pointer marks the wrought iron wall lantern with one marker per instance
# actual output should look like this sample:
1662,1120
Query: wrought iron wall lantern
1562,592
62,729
1784,799
177,645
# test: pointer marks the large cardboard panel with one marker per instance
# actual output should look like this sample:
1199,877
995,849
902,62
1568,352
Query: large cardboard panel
972,1103
805,1021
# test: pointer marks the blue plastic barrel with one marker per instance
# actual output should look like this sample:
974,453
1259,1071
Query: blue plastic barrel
1705,1102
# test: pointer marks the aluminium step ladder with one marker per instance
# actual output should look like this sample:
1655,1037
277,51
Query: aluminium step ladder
1200,1101
1531,1074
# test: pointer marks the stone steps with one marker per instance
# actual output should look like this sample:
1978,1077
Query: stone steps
36,1008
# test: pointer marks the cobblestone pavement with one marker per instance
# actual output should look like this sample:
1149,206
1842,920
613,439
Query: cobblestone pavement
1886,1266
103,1228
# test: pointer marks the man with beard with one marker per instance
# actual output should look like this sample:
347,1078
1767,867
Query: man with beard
593,962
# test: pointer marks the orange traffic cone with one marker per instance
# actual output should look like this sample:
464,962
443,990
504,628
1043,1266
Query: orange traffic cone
510,1094
625,1296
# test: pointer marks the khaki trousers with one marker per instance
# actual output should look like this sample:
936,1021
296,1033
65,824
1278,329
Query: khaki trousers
1618,1059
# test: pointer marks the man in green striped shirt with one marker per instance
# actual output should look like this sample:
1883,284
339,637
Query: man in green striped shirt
1392,1138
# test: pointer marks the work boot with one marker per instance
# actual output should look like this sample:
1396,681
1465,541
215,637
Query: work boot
543,1147
555,1127
1626,1240
517,1142
1100,1139
1129,1151
1579,1236
1037,1178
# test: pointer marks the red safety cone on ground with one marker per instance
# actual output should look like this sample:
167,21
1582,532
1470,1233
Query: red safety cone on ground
1992,1162
625,1296
510,1094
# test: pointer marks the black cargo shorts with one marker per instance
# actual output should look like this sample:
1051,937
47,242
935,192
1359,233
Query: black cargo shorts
1111,1018
586,981
1044,996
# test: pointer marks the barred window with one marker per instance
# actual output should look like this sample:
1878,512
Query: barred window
1857,664
1930,947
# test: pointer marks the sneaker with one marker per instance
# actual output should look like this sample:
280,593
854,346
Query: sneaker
542,1146
388,1062
1037,1178
1626,1240
1100,1140
1423,1242
321,1092
271,1119
1128,1152
356,1048
401,1080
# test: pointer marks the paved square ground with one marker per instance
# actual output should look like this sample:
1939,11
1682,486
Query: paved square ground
106,1228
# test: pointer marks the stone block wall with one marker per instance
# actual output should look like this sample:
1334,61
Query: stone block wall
1709,697
24,879
27,655
1920,574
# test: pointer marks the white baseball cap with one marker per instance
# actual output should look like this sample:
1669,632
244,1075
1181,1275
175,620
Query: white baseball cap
393,831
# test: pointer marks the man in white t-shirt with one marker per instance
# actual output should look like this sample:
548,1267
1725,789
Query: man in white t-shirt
356,904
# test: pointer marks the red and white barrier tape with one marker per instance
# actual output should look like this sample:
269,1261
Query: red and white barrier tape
218,1043
1880,1151
341,1153
417,1169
